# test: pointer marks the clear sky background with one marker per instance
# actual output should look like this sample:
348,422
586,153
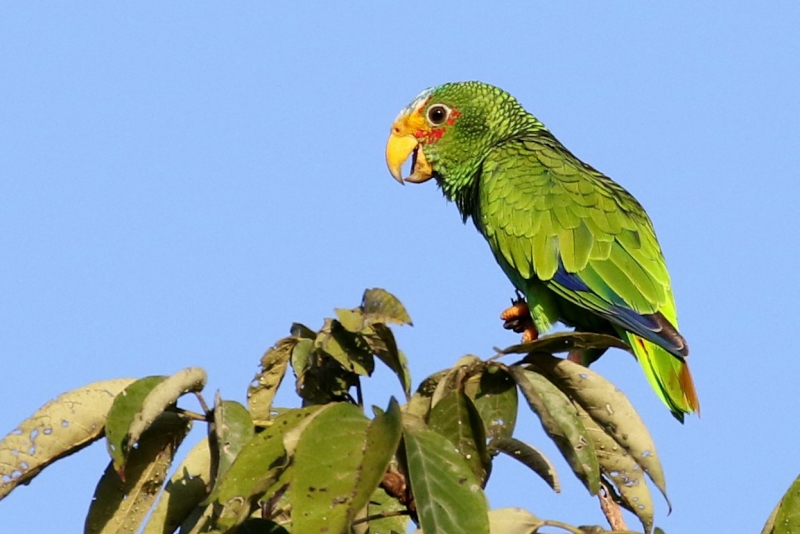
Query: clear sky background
180,181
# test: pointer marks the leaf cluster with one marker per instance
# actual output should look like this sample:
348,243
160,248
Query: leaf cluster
327,466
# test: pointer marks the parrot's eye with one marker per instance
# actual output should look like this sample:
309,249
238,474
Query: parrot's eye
437,114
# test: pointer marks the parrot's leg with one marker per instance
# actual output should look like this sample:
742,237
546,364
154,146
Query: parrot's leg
576,355
518,318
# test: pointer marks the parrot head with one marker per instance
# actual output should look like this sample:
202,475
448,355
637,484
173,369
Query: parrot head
447,130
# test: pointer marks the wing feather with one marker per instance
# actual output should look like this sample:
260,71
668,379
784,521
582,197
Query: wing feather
578,232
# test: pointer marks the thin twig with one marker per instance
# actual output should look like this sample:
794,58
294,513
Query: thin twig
190,414
268,507
610,508
382,515
359,394
202,402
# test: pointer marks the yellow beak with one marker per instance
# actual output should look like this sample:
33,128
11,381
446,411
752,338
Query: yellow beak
400,146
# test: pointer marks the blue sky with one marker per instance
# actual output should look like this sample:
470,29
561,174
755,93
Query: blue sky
180,181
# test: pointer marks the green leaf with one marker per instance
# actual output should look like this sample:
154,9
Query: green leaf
301,331
320,379
120,506
787,515
352,320
610,409
561,422
257,466
449,498
465,366
380,306
382,503
565,342
262,390
531,457
769,526
123,410
184,491
513,521
340,460
455,418
163,395
496,401
61,427
301,356
350,350
382,440
420,402
233,428
621,468
382,343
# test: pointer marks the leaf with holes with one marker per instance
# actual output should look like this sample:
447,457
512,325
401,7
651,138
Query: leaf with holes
610,409
619,466
456,418
121,505
494,394
561,422
449,498
265,384
61,427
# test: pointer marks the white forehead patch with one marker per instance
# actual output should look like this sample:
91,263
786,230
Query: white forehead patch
416,104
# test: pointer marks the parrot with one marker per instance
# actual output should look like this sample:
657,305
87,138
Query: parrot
577,245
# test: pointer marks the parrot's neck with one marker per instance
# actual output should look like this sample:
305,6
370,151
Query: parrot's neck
461,184
462,189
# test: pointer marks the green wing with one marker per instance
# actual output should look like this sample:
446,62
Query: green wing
559,227
552,218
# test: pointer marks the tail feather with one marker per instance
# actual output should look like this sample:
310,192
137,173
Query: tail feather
668,375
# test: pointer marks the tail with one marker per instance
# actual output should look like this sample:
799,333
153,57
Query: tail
668,375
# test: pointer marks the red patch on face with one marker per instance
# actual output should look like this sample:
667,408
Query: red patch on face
436,133
454,114
430,136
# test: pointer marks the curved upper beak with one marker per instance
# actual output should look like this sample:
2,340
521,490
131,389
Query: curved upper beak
400,146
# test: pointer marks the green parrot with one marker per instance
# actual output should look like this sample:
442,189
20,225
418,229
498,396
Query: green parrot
576,244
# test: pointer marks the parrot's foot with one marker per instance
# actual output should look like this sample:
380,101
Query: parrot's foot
518,319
